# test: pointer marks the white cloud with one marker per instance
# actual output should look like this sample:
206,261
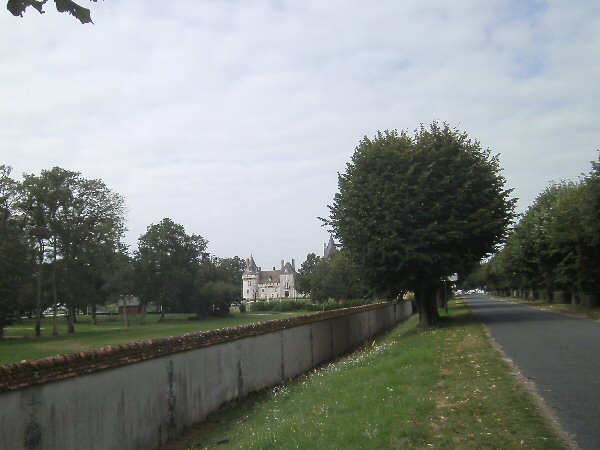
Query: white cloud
234,117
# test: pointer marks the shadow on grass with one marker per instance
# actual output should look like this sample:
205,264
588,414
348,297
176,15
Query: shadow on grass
216,429
460,316
461,320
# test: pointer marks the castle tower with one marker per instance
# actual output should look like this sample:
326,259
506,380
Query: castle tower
250,280
287,280
329,248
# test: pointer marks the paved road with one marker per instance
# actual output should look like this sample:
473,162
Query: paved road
560,354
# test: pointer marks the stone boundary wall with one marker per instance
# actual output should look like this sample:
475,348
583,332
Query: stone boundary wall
140,395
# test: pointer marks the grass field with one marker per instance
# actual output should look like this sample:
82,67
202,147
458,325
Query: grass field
442,388
21,343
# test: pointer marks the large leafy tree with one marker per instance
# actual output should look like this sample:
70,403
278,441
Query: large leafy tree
336,277
33,214
217,286
89,226
15,257
166,265
58,184
413,209
306,273
75,224
229,270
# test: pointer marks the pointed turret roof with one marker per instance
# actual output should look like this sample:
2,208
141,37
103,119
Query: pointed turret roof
251,267
330,248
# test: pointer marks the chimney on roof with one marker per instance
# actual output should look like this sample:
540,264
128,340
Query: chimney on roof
293,265
282,264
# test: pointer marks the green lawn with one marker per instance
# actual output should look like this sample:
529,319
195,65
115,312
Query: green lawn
21,343
442,388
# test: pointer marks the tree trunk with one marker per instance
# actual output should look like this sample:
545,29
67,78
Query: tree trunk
549,292
94,318
125,313
162,314
143,314
54,293
38,297
439,299
54,320
574,297
2,324
70,319
427,304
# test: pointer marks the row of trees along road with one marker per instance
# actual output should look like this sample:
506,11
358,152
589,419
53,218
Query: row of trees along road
411,210
61,242
553,252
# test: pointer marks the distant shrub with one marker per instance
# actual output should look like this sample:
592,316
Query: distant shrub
288,305
261,306
306,305
331,304
242,308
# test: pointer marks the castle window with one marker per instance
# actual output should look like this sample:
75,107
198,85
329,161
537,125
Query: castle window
249,283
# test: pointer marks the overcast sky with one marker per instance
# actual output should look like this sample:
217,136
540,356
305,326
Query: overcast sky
233,118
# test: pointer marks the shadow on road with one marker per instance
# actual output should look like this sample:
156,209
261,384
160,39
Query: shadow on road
493,311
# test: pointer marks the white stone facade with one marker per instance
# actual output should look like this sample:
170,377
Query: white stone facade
258,284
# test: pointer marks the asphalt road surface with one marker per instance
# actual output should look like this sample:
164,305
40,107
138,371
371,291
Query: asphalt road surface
560,354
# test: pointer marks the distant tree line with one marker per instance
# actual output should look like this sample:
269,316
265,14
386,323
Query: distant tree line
61,243
333,277
553,252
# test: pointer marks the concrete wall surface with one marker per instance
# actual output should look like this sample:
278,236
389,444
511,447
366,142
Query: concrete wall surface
144,404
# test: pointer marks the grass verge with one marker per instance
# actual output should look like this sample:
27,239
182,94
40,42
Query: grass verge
21,343
442,388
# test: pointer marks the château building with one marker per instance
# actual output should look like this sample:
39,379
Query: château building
258,284
261,284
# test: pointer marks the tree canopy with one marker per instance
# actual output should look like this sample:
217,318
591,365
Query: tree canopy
553,252
60,224
338,278
411,210
305,274
166,261
15,257
18,8
61,241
